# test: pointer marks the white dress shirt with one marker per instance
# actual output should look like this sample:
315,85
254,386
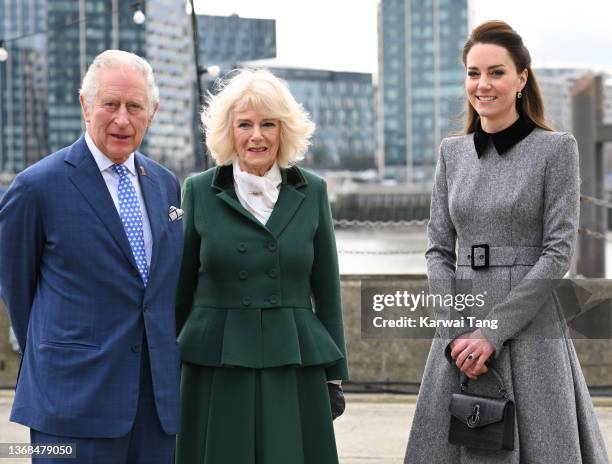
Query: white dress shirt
110,178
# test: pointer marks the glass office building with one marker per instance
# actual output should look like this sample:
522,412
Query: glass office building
23,130
169,49
223,42
226,40
164,40
76,31
420,94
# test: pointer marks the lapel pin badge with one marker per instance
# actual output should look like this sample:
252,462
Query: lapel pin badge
175,213
143,172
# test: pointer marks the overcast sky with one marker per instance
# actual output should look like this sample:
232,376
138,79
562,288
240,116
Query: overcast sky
341,34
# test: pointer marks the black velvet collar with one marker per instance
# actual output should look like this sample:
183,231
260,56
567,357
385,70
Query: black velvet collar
503,140
224,177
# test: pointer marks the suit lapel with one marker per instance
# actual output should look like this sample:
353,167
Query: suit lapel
149,183
289,198
88,180
230,198
223,180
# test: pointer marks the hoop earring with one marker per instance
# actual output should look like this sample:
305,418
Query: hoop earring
519,95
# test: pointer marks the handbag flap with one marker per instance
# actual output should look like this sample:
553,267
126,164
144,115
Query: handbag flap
490,410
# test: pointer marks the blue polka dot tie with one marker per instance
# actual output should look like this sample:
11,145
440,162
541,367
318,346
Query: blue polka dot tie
131,217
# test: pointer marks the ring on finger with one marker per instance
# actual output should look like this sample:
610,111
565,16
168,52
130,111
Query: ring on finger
471,356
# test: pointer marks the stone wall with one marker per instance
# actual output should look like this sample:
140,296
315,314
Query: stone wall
9,359
388,360
401,361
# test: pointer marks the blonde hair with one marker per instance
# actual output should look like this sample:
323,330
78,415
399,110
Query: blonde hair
263,92
113,59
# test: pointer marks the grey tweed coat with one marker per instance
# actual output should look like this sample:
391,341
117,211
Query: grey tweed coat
524,205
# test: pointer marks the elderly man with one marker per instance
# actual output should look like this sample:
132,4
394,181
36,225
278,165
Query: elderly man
90,246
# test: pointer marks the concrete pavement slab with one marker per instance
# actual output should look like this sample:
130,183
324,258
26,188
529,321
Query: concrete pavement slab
373,430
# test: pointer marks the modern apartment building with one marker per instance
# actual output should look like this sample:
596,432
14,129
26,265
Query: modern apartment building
556,87
420,83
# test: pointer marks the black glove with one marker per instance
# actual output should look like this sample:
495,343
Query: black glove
336,400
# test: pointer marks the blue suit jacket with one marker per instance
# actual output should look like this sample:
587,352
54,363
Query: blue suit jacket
76,300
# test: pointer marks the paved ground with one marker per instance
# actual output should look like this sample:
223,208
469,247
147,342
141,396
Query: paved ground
374,429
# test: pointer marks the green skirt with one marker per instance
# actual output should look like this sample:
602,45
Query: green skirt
239,415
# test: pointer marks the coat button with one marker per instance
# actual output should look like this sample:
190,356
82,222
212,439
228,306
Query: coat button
272,247
243,275
273,299
246,301
135,348
272,274
242,247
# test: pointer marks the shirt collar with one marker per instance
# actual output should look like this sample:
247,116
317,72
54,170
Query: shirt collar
272,176
223,177
503,140
103,161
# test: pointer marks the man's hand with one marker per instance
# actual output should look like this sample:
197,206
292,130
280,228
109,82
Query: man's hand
470,352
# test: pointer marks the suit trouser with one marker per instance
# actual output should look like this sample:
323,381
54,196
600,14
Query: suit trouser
146,443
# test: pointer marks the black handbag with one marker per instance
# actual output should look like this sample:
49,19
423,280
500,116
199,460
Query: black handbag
481,421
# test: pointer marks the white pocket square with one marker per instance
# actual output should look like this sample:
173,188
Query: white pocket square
175,214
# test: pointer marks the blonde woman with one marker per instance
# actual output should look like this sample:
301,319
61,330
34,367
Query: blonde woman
258,306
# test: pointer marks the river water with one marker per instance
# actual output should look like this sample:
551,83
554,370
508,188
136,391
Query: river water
382,251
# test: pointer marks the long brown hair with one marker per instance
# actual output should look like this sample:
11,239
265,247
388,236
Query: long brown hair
500,33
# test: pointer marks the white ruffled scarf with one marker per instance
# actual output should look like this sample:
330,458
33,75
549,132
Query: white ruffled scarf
258,194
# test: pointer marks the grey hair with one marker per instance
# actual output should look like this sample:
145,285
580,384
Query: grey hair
113,59
261,90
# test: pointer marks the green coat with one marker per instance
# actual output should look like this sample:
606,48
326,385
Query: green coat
260,296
